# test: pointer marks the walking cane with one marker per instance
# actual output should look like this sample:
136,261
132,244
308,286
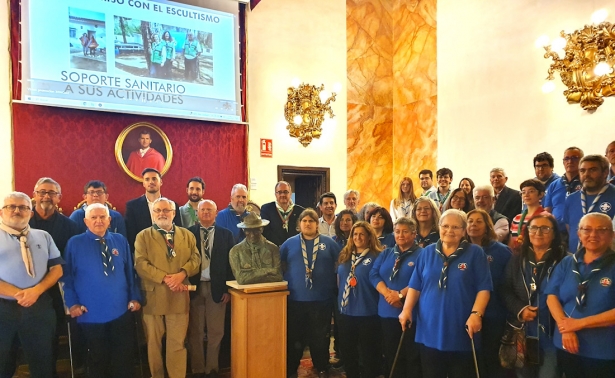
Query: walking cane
70,342
401,341
474,354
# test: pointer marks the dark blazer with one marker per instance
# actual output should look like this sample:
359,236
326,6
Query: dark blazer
219,267
274,231
138,218
508,203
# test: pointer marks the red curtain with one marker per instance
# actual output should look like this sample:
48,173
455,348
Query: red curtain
75,146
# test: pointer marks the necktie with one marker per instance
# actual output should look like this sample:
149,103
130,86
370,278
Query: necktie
107,261
168,238
26,254
205,235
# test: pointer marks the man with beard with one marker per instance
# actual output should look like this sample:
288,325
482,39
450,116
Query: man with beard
282,215
610,155
596,196
188,212
230,217
327,204
351,200
165,256
47,194
555,197
146,156
31,264
139,214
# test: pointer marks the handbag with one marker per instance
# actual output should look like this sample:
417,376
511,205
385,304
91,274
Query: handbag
512,348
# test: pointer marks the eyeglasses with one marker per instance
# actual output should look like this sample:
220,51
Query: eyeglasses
571,158
21,208
447,227
542,229
43,193
164,211
602,231
421,209
282,192
95,192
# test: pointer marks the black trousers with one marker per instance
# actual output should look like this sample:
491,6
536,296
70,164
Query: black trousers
111,347
35,326
360,341
492,332
409,360
308,324
441,364
574,366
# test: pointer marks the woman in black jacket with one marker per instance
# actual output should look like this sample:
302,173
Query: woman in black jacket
522,290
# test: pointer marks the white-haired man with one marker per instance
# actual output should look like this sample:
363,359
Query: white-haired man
31,264
484,199
351,200
165,256
100,291
507,200
230,217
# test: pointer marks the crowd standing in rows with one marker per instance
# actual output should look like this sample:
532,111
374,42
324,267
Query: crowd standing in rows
452,269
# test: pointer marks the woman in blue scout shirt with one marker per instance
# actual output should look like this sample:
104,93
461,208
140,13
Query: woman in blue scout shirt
343,224
427,216
359,325
380,219
451,285
390,276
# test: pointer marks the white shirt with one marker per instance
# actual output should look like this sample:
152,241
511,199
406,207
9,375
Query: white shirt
325,228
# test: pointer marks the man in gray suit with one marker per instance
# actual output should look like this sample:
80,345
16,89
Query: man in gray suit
195,190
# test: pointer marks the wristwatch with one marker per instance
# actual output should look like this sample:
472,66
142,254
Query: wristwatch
401,296
478,313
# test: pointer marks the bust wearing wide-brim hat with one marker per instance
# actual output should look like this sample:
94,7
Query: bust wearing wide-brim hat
252,220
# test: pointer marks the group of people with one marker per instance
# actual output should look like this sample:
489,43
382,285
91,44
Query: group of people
162,56
447,272
89,44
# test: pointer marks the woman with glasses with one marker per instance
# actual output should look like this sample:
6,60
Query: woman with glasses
524,293
390,276
532,191
451,285
481,232
358,322
459,200
343,224
380,219
581,297
426,215
402,205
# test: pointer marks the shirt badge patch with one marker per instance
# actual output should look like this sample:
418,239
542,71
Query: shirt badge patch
247,266
605,281
322,246
115,252
605,207
462,266
367,261
411,263
490,258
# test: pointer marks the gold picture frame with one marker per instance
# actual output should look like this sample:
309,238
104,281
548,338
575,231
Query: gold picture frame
129,142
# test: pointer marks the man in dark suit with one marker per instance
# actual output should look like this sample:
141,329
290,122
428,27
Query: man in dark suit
281,214
139,210
507,200
208,302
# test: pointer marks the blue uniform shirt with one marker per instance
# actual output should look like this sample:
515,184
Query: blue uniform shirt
117,221
498,256
229,219
442,313
573,212
105,297
387,240
556,199
363,298
381,272
44,252
593,342
324,283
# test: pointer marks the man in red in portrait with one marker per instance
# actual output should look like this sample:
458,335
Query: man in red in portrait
146,156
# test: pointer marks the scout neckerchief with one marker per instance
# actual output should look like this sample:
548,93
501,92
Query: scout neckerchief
192,213
285,215
168,238
602,261
446,261
442,199
571,186
205,236
536,272
399,258
591,207
406,207
427,240
351,280
26,254
309,269
107,259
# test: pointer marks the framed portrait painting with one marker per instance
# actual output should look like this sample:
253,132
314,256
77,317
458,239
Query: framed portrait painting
143,145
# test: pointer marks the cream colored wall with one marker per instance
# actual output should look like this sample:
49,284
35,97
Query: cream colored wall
6,134
287,39
491,110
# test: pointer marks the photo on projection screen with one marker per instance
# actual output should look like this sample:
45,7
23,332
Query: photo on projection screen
145,57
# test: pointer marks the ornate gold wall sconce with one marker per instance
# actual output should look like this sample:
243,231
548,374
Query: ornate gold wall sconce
584,60
304,111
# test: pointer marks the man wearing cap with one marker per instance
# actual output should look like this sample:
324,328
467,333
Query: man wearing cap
255,259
